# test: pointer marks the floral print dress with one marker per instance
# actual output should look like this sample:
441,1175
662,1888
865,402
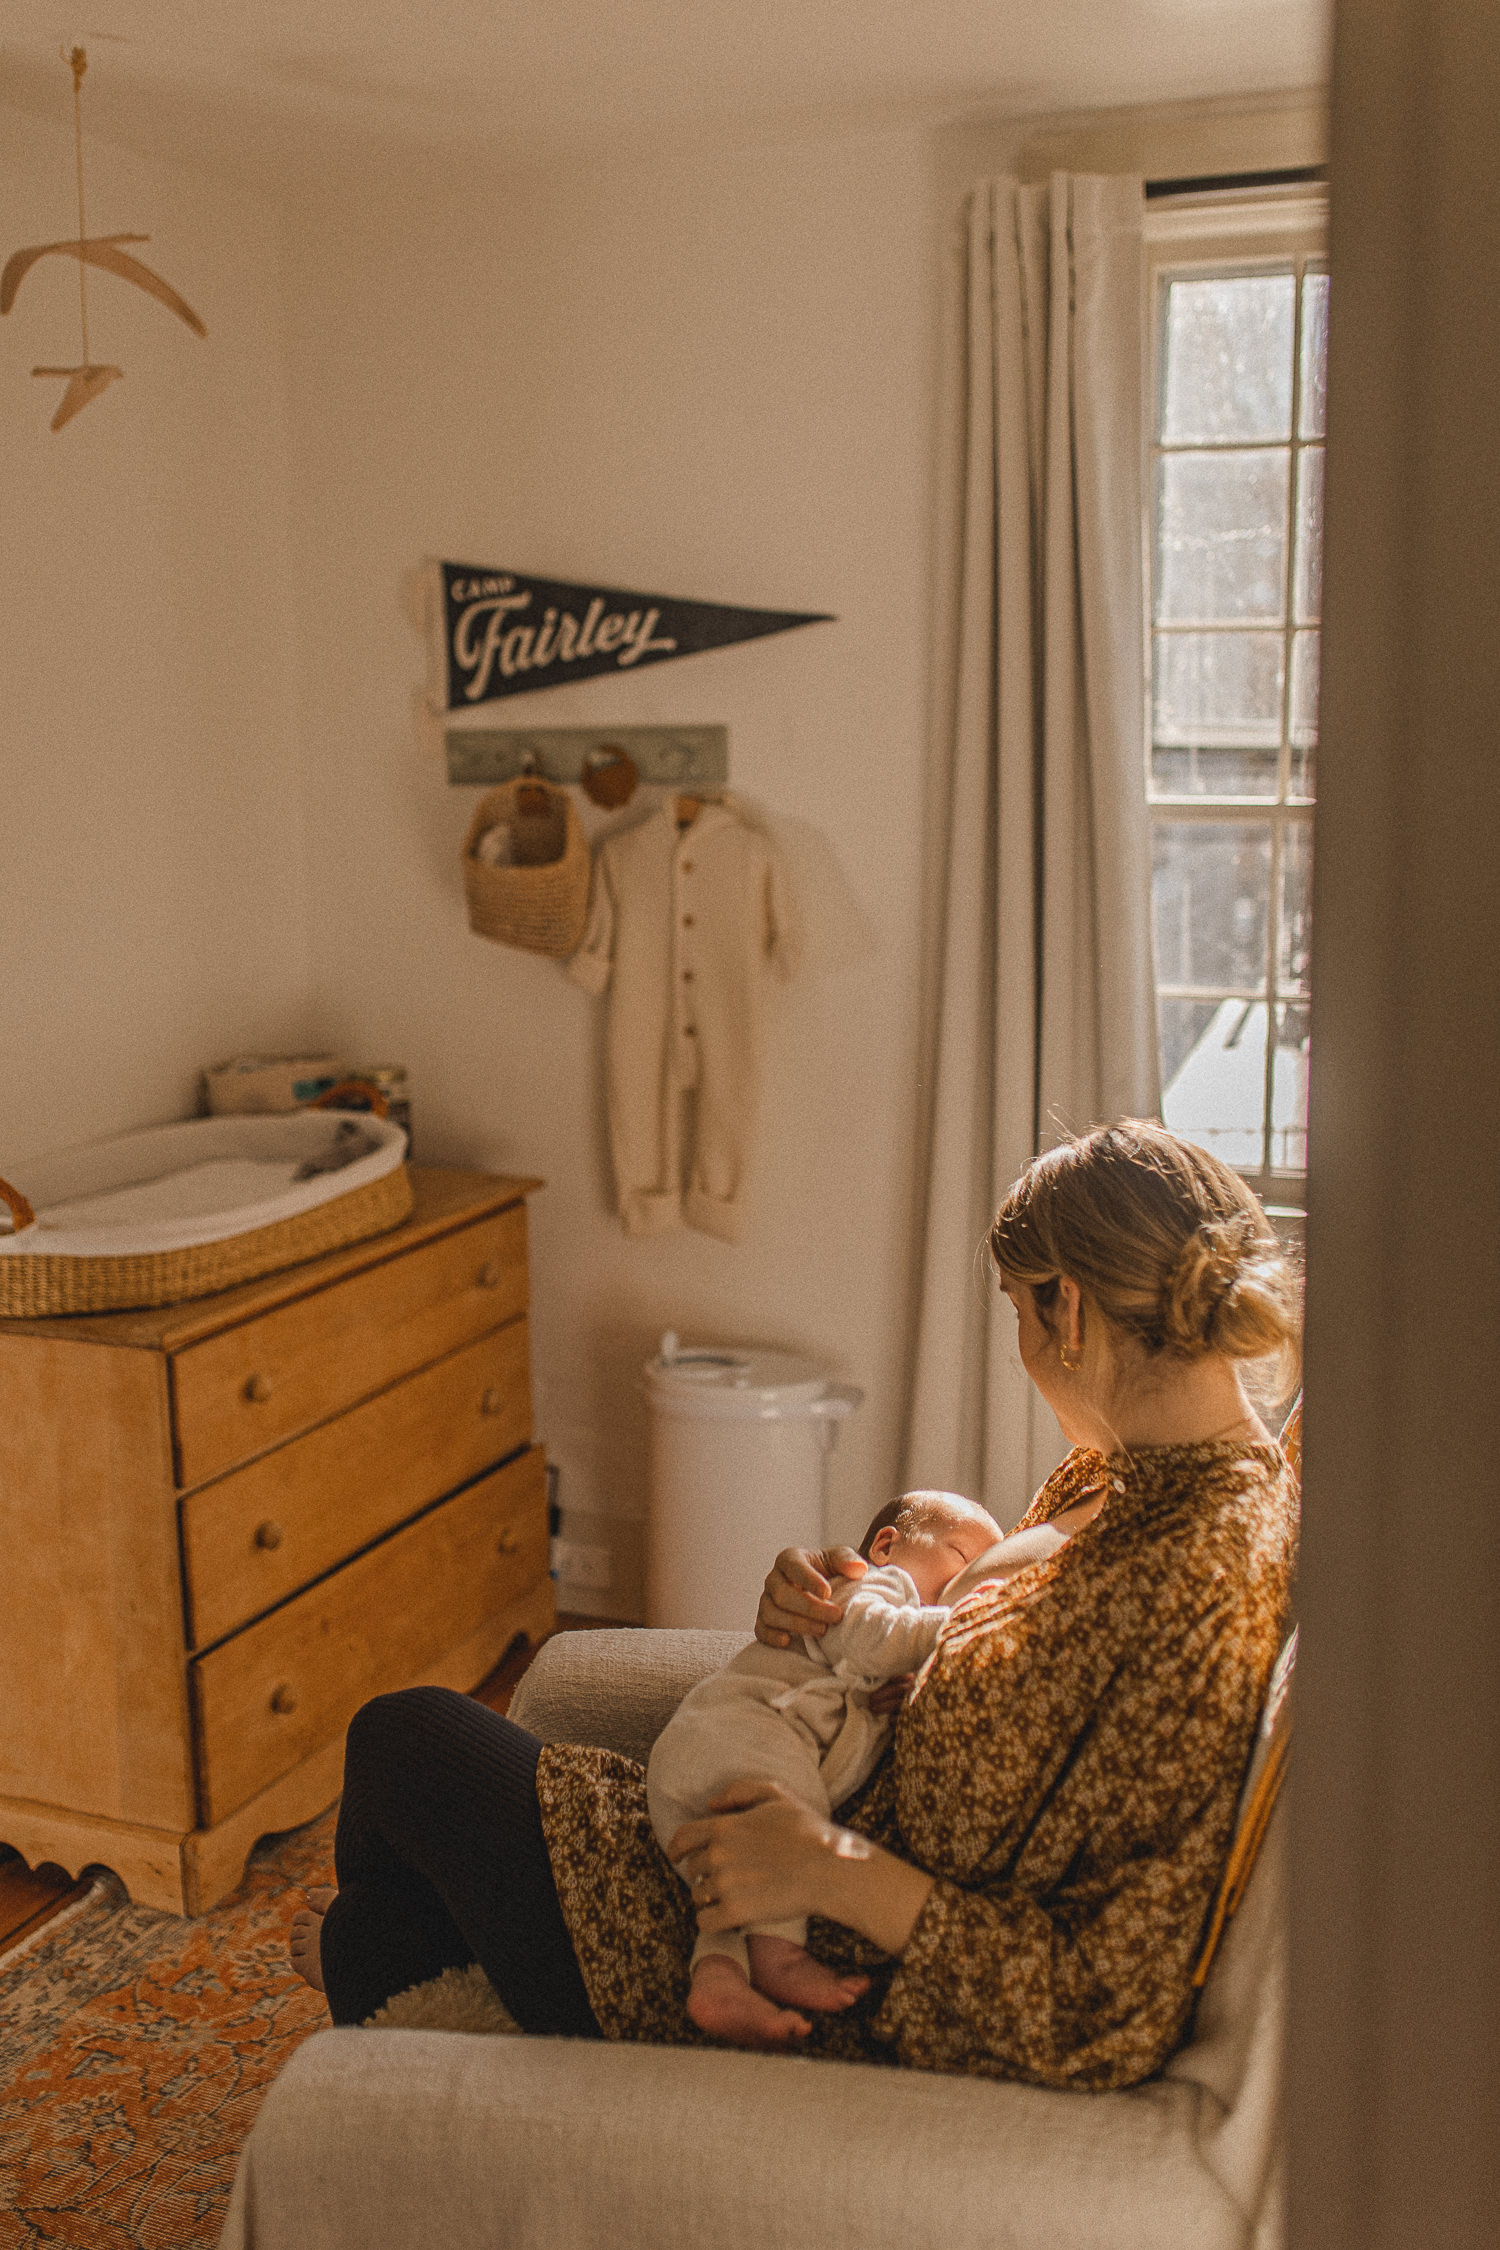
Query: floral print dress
1067,1769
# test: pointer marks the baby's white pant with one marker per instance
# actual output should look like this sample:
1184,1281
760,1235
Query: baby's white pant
736,1943
724,1736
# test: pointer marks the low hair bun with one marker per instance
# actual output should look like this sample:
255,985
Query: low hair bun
1206,1275
1259,1316
1167,1241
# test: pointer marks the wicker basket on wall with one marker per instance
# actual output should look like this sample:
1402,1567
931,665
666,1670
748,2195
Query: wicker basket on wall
539,899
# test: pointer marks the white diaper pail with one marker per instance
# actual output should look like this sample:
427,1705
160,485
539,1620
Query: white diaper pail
739,1465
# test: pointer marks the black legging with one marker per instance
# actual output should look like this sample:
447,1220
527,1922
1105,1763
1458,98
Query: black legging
441,1861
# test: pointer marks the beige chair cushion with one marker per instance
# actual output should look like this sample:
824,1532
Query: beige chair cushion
407,2139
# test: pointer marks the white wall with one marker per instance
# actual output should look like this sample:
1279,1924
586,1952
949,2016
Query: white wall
151,899
712,379
712,374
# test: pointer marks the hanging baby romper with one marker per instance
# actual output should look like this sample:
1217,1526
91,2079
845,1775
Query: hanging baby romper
683,926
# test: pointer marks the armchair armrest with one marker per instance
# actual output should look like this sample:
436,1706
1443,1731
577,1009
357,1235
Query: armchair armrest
410,2138
616,1690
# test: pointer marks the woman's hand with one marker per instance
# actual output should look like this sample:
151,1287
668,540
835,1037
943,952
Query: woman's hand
760,1856
795,1602
763,1856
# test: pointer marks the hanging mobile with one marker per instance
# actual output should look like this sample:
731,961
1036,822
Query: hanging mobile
103,250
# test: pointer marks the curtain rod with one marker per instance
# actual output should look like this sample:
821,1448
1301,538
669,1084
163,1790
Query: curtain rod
1296,176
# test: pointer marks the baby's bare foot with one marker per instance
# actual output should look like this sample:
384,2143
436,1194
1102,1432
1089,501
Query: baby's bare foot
722,2003
307,1937
788,1973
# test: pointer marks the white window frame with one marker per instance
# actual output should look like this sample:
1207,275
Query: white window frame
1236,232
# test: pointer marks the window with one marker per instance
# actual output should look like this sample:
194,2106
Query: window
1240,320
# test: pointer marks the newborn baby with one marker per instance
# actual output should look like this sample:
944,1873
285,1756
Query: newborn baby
801,1717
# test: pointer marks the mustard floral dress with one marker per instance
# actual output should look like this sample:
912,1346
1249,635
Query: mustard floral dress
1067,1769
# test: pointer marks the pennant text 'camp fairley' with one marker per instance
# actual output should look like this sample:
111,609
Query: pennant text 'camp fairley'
507,633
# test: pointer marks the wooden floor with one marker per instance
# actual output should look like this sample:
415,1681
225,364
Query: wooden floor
29,1897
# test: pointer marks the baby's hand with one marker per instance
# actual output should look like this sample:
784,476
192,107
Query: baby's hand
888,1698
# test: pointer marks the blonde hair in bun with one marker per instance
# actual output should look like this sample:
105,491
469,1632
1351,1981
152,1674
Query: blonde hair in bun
1169,1243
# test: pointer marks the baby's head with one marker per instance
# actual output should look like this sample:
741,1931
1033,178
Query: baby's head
932,1536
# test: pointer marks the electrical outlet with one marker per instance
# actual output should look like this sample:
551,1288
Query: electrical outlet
577,1564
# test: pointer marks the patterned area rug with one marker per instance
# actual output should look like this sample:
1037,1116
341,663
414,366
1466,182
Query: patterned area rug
134,2051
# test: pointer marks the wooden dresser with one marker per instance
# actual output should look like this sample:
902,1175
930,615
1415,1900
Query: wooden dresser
225,1524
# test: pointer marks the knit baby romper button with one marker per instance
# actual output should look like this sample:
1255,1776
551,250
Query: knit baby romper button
687,921
687,976
687,867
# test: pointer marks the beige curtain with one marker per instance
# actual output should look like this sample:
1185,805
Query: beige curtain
1043,1008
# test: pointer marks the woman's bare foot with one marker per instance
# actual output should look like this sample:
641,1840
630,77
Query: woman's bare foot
307,1937
788,1973
722,2003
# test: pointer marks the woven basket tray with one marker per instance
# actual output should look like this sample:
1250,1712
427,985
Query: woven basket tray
39,1282
540,901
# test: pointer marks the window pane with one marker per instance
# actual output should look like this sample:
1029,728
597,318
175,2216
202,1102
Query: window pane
1314,355
1305,652
1228,370
1306,648
1213,773
1221,539
1307,600
1180,1025
1216,1096
1217,690
1211,883
1289,1090
1295,937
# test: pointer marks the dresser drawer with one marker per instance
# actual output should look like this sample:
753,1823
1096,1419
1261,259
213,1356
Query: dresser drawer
276,1692
246,1389
257,1535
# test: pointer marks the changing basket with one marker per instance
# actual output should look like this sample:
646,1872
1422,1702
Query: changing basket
183,1210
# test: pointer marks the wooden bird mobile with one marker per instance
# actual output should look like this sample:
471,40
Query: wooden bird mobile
87,381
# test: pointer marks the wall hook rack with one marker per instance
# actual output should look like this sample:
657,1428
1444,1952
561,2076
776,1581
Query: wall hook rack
695,758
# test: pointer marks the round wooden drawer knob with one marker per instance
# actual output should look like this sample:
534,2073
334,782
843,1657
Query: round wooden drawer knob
283,1699
509,1540
257,1389
493,1401
269,1533
489,1274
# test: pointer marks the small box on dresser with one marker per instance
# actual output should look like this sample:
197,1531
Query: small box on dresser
228,1523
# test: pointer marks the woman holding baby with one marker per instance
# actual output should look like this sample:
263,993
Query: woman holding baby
1020,1888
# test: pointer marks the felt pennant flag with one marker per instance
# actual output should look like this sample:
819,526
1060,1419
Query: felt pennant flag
507,633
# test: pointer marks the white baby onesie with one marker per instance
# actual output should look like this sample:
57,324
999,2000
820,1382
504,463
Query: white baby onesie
682,928
799,1716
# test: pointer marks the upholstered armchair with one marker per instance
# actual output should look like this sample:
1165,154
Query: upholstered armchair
452,2140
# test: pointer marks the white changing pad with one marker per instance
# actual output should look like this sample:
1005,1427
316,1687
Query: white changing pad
175,1187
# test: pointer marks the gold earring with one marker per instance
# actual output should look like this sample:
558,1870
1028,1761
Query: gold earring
1072,1365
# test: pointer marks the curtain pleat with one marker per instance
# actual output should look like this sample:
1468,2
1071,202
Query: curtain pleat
1044,1000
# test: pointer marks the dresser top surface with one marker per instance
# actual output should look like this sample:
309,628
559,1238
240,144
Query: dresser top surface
445,1198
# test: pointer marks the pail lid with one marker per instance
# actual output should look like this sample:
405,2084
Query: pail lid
732,1379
